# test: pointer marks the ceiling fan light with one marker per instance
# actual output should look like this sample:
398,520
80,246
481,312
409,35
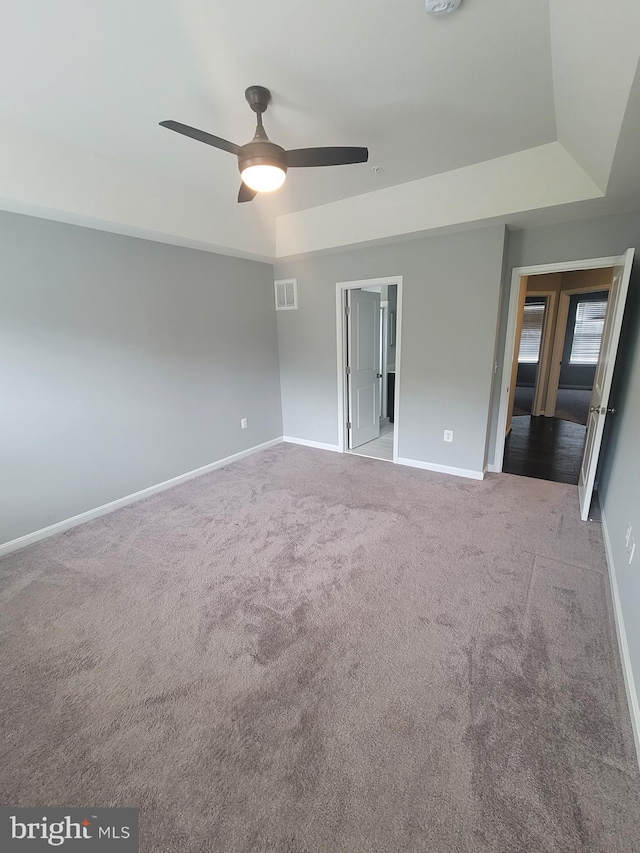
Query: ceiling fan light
264,178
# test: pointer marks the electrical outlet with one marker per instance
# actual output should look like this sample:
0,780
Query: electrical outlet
448,435
243,423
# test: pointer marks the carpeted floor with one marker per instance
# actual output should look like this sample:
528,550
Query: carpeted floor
315,652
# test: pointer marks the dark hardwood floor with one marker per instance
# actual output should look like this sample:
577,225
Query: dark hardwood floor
545,448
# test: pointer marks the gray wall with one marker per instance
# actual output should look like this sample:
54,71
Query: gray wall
123,363
619,474
450,308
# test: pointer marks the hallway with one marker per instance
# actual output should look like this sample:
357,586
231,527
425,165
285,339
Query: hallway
572,403
545,448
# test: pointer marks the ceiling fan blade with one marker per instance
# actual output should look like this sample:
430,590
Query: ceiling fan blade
201,136
246,193
326,156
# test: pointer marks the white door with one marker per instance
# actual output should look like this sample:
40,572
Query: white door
363,359
602,379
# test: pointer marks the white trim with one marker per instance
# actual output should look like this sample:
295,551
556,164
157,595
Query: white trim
365,456
305,442
623,645
568,266
442,469
491,469
341,287
384,355
398,367
68,523
512,319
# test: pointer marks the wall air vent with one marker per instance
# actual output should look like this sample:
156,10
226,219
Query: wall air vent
286,294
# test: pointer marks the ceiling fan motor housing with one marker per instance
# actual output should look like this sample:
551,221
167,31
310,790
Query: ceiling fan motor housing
262,153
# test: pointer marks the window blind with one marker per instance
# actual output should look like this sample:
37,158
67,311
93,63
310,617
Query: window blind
587,334
531,333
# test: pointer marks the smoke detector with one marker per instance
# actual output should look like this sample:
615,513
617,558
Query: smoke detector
438,8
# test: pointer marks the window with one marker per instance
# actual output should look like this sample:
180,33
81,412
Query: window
587,333
531,333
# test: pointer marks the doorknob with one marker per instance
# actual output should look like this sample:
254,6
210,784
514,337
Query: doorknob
602,410
379,375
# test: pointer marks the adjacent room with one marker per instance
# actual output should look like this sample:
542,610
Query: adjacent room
367,336
558,344
319,406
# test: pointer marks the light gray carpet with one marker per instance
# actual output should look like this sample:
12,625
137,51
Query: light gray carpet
312,652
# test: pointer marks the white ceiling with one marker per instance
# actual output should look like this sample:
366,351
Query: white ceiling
84,85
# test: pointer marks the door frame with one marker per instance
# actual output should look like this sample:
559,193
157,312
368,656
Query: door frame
546,346
546,343
341,331
509,347
384,355
544,355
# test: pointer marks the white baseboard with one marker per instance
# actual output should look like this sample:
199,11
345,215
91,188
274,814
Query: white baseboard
320,445
442,469
629,681
68,523
493,469
411,463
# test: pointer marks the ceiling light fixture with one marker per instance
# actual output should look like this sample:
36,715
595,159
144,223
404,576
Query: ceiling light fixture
263,165
263,177
438,8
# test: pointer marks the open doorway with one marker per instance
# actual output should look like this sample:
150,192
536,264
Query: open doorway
552,442
368,316
553,372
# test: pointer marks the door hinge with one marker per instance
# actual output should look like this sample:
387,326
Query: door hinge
348,424
348,370
347,310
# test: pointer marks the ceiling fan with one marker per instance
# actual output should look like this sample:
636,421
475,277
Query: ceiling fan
263,164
